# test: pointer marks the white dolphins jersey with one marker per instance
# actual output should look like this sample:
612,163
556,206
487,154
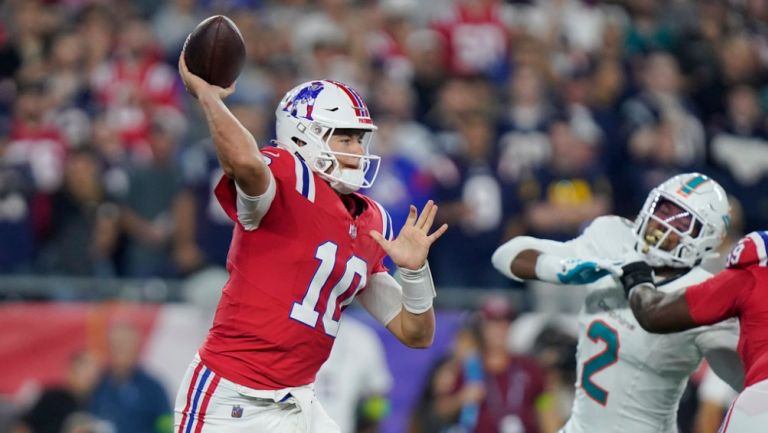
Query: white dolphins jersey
629,380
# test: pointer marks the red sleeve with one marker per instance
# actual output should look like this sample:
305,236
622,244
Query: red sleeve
380,267
226,194
719,297
279,161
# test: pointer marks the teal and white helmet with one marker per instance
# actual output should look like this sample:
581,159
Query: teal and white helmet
692,206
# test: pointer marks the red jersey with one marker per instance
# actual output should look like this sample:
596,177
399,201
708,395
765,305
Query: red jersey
741,290
290,278
477,38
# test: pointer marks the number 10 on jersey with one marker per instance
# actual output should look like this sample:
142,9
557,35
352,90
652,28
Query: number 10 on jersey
306,311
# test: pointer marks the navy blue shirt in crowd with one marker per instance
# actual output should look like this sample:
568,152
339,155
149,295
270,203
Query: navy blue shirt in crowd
136,405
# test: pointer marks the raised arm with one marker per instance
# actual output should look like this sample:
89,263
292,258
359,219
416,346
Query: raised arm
236,149
406,308
527,258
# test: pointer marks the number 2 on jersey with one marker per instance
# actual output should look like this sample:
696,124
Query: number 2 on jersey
599,330
305,312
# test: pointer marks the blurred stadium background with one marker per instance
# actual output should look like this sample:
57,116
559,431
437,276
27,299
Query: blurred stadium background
518,117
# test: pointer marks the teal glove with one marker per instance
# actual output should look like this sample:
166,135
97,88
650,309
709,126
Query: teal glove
575,271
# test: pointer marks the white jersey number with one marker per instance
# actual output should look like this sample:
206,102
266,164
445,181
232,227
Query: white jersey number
306,313
599,330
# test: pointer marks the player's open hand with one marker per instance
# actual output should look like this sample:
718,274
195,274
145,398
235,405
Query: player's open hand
410,248
196,86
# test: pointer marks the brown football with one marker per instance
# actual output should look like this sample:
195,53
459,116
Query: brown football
215,51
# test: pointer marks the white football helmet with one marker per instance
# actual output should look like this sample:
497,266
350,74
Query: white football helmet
307,117
692,206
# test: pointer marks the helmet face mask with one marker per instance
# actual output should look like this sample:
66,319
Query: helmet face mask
308,117
682,222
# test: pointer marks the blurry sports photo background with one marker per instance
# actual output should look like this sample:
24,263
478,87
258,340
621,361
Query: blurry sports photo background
517,117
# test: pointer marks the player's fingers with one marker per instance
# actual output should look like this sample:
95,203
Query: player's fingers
430,219
229,90
379,239
439,232
424,214
411,216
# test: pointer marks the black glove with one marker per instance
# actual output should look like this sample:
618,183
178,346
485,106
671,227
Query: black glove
634,274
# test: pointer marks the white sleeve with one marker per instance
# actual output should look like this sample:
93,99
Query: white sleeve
714,389
504,255
718,344
607,237
250,209
382,297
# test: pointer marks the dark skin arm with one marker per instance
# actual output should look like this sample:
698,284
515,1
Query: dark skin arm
656,311
659,312
524,264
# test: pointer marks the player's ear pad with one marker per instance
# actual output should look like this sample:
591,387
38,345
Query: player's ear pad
634,274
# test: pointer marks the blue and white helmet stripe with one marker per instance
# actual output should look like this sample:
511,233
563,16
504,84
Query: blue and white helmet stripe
386,222
761,242
305,180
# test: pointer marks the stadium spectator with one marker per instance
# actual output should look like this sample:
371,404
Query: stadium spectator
134,86
173,21
477,40
739,150
146,211
474,201
647,30
524,145
354,382
555,350
51,410
513,395
436,409
127,396
571,189
85,232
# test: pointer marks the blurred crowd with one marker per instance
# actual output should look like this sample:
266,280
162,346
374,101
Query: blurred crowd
111,394
516,116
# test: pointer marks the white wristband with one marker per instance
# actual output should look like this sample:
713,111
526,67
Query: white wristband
418,289
547,267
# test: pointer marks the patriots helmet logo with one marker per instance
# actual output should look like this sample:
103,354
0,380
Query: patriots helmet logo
303,102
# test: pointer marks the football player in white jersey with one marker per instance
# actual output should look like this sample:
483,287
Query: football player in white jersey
629,380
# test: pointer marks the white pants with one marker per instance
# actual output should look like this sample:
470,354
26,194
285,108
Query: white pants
749,412
208,403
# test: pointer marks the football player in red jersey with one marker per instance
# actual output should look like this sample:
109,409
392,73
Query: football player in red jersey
305,245
740,290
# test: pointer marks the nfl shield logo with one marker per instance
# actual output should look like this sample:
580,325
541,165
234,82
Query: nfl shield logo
352,231
237,412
